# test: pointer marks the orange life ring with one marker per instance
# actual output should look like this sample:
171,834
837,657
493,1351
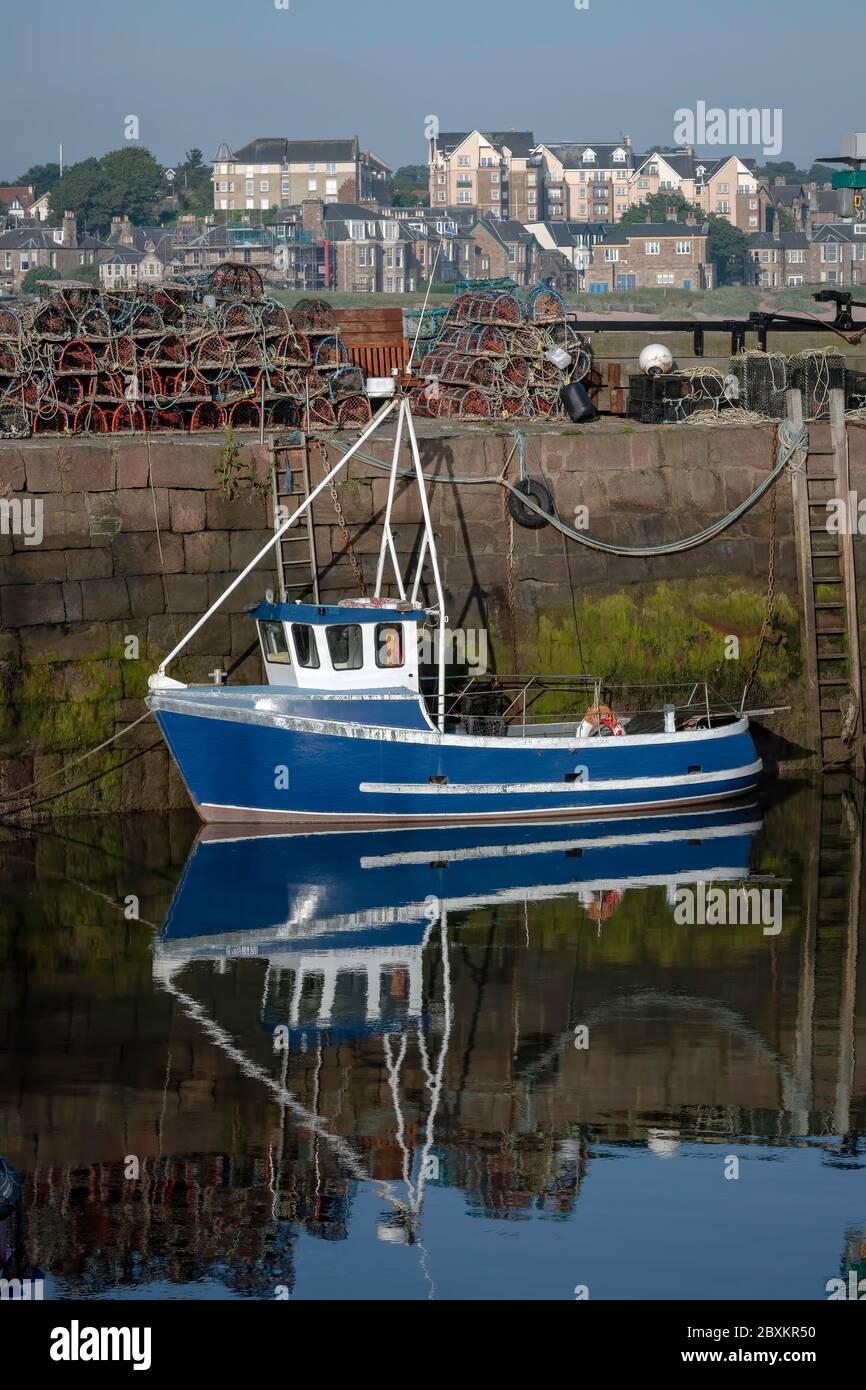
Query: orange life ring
600,717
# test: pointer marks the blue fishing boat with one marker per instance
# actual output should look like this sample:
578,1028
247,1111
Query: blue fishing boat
348,731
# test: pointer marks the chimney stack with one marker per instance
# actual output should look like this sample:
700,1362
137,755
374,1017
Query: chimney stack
121,231
672,215
313,215
70,231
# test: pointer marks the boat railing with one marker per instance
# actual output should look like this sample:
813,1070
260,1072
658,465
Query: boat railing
493,703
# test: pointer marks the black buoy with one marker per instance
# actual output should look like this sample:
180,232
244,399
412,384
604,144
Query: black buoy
524,516
578,407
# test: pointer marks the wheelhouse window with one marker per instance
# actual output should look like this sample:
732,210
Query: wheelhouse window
346,647
306,651
275,644
389,646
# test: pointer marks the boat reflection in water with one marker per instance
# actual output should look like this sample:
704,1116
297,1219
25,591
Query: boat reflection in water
343,923
363,903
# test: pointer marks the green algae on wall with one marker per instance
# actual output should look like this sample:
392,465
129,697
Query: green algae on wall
670,634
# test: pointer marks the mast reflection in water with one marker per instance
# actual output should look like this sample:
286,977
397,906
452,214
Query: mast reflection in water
486,1062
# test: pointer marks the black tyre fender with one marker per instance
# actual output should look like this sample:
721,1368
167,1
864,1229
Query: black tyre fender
540,496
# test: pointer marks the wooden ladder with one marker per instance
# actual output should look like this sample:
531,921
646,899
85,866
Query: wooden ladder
825,563
824,1036
297,559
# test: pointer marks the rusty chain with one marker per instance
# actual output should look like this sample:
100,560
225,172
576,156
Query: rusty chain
341,521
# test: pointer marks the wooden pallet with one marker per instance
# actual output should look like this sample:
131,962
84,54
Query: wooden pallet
374,339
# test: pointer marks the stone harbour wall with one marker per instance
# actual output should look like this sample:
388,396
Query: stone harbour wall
139,538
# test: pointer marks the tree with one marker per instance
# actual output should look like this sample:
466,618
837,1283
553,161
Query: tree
136,182
655,208
83,189
727,248
411,186
193,184
30,283
123,182
782,170
88,273
43,177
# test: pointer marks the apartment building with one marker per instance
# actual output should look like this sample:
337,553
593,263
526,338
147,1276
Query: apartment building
495,172
278,173
728,186
651,255
585,180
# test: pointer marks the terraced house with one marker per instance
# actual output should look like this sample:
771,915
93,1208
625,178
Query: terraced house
279,173
58,248
651,255
777,261
837,254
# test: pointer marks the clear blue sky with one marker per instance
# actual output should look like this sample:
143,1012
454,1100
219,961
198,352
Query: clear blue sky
196,72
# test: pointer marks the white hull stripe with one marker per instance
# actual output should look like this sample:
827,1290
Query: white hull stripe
693,779
457,856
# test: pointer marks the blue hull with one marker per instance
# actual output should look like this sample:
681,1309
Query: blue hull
290,891
254,755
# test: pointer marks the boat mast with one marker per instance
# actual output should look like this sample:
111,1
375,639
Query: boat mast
428,545
156,682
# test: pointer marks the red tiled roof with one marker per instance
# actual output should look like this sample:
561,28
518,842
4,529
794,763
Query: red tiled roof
23,193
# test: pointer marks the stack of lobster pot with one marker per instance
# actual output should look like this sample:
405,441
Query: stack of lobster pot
500,357
191,354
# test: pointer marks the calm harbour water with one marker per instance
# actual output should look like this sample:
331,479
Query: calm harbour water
489,1063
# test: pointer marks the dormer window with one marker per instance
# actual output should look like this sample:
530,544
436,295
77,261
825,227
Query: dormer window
589,156
619,156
